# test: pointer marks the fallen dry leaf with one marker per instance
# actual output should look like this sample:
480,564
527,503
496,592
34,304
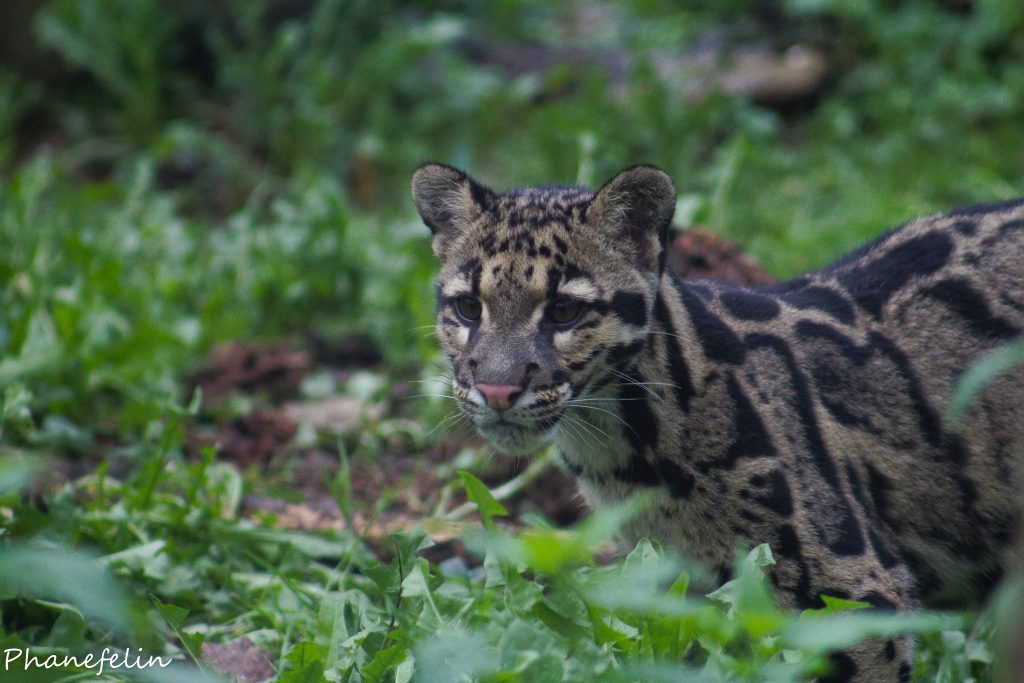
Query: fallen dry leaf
245,368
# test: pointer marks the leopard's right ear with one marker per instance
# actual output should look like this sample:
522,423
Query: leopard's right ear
447,200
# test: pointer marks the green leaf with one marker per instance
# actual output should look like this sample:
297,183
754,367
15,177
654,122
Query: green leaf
172,614
522,647
405,670
760,557
749,597
384,660
15,472
606,522
69,630
550,550
313,672
680,585
17,405
637,586
192,643
841,630
747,586
415,583
453,656
833,605
42,571
304,665
606,633
485,502
982,373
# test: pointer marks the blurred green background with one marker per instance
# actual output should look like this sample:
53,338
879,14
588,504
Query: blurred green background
178,173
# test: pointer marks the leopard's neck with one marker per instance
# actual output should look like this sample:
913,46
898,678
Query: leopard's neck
609,436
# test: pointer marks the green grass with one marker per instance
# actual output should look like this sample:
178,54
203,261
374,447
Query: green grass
207,175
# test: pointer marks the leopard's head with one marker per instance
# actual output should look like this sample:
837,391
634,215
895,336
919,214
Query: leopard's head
544,293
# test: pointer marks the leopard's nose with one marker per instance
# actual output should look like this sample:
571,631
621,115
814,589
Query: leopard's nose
500,396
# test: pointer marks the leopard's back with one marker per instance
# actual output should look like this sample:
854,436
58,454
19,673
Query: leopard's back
868,351
936,296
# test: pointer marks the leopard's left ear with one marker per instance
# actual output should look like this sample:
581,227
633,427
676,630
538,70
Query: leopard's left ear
635,208
448,200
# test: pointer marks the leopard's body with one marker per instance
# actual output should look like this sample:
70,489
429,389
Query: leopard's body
807,415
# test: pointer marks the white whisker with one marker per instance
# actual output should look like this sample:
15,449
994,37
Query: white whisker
636,382
448,422
581,430
442,380
667,334
599,399
608,412
587,426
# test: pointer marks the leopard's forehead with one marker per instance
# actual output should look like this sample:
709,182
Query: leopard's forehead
523,234
534,209
527,223
529,246
553,198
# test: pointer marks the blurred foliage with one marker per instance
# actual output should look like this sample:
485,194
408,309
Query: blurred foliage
200,171
981,374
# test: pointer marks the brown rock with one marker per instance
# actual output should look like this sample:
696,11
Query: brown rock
698,253
776,79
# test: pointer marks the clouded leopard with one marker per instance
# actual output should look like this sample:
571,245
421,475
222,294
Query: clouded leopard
806,414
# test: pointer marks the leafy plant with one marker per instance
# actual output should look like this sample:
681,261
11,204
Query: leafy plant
130,63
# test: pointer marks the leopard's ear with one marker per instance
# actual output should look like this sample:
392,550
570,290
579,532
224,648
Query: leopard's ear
447,200
635,209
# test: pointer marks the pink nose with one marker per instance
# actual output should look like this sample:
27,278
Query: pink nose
499,396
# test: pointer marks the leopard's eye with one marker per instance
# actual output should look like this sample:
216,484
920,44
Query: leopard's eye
564,310
468,307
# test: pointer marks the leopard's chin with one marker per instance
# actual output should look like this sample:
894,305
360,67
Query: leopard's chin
516,439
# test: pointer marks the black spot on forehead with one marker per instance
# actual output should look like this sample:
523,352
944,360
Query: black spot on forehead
562,196
559,273
532,223
534,207
554,276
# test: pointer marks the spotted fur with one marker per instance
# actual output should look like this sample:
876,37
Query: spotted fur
806,415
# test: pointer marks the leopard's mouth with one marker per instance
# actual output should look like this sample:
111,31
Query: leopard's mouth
515,435
522,430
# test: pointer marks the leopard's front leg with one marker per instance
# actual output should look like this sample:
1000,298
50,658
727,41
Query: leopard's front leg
806,569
